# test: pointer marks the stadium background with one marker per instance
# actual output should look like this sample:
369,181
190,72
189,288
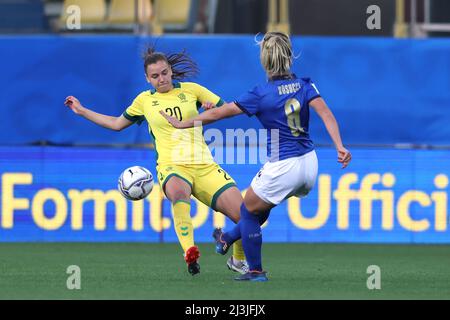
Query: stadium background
391,96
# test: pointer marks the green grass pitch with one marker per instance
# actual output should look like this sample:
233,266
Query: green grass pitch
157,271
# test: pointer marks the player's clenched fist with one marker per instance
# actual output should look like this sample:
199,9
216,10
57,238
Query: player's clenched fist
344,156
208,105
73,104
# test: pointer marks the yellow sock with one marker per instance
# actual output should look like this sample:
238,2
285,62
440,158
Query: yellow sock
238,251
183,223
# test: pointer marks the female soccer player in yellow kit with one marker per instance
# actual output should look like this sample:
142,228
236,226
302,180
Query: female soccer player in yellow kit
185,165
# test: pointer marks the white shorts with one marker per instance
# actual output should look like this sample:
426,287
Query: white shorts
280,180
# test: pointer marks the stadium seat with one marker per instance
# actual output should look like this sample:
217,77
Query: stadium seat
175,15
93,12
22,16
124,11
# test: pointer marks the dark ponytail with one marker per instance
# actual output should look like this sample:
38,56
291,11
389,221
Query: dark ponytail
182,65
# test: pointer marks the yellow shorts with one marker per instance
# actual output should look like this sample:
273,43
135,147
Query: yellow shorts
207,181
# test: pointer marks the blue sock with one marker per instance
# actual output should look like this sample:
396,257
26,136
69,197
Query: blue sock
251,238
235,234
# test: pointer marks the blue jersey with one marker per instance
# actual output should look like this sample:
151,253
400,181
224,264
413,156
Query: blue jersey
282,103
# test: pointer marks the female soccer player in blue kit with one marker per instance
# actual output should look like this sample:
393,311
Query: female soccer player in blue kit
280,103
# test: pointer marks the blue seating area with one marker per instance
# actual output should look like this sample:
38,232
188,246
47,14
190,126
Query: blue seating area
22,16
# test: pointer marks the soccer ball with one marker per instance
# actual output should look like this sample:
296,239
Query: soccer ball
135,183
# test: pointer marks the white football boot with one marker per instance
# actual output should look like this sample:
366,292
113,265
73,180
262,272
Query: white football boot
240,266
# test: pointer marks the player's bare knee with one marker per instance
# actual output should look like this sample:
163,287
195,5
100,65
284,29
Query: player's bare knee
234,214
176,194
257,206
229,203
234,211
230,209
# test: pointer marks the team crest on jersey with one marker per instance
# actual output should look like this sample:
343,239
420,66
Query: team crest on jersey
155,103
182,97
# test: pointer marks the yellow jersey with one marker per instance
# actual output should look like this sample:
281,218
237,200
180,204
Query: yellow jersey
174,146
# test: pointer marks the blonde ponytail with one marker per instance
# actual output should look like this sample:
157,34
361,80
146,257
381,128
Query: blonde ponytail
276,53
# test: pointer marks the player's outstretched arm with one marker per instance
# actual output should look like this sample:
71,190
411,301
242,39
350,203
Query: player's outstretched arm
109,122
209,116
319,105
